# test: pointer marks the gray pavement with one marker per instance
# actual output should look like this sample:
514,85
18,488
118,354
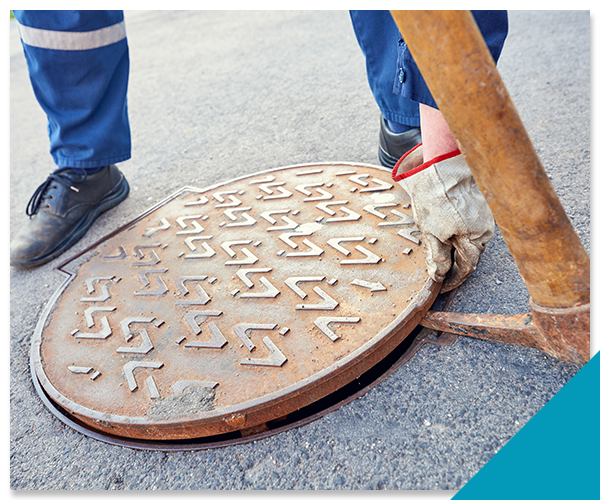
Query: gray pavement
215,95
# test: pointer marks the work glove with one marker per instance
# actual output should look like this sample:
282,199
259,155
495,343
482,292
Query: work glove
449,210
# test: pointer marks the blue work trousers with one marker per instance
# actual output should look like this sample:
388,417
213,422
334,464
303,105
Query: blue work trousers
393,76
78,63
79,74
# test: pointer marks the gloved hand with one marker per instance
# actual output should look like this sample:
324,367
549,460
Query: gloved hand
449,210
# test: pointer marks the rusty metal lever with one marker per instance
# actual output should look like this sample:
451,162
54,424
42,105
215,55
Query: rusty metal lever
557,332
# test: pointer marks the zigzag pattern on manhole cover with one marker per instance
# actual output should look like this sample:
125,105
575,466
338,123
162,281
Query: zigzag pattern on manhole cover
224,308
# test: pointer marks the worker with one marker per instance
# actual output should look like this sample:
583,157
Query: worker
78,63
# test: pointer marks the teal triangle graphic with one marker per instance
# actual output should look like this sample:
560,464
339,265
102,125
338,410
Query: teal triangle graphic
555,455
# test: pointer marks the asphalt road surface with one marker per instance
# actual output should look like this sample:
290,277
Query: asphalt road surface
216,95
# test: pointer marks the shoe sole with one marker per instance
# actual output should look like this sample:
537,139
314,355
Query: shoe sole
386,160
112,199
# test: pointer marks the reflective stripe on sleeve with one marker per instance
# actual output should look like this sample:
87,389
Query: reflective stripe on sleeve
72,40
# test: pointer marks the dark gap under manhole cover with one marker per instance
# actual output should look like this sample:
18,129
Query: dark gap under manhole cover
399,356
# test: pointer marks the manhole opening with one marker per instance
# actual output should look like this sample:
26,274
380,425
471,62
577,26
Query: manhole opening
358,387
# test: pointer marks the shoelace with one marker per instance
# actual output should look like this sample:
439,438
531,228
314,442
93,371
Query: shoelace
56,176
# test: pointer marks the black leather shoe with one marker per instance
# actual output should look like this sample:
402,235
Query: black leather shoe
393,146
62,210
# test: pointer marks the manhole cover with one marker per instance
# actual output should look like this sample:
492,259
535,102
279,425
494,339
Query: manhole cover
225,308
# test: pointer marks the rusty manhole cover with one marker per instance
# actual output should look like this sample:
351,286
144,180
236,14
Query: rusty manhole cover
225,308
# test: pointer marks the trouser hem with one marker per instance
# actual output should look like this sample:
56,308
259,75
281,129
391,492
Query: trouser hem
102,162
411,121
